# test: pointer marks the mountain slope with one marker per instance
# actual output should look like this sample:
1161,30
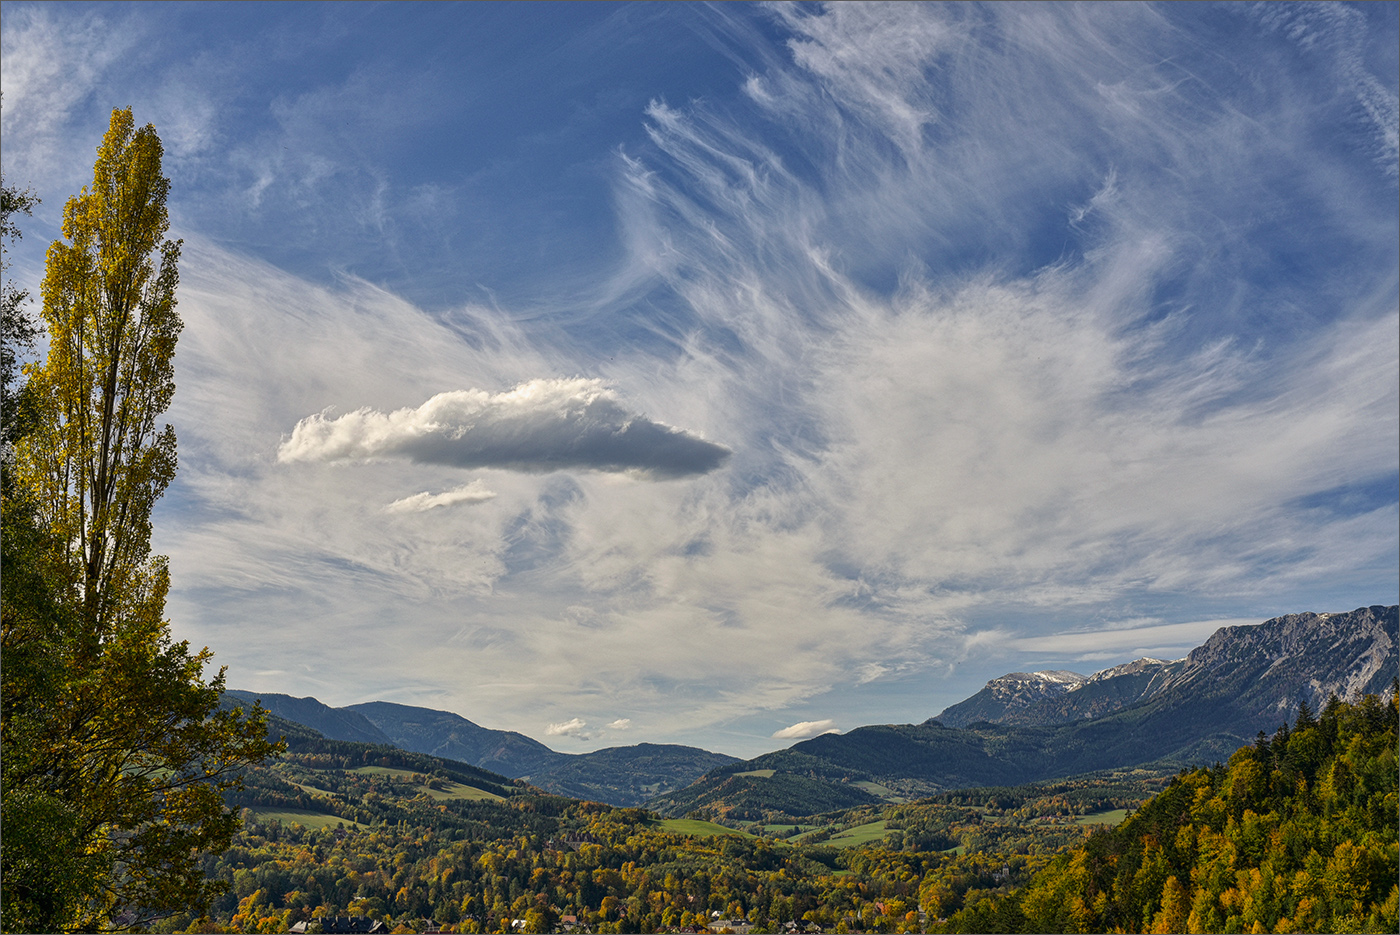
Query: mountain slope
1004,698
335,723
442,733
1044,698
1240,681
625,776
1260,672
1314,807
615,775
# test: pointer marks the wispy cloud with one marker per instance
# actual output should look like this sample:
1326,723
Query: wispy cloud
1338,35
1134,640
951,317
475,492
53,68
539,426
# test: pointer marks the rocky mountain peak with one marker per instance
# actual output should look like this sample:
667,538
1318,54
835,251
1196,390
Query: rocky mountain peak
1136,667
1260,671
1018,689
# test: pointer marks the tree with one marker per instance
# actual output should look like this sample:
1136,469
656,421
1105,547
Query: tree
43,860
17,331
127,736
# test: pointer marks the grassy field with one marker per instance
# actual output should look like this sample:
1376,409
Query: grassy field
1104,818
884,792
301,816
305,788
450,790
871,833
384,771
760,773
700,829
454,790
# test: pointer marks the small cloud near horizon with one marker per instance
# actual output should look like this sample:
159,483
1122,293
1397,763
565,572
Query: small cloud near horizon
805,729
622,723
574,727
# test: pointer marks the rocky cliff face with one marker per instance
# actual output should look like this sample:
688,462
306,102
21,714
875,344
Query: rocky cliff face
1270,668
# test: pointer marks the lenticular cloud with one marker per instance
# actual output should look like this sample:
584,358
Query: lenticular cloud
806,729
539,426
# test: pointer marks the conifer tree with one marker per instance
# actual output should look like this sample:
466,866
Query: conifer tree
126,736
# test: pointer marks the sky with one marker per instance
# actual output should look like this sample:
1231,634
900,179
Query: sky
727,374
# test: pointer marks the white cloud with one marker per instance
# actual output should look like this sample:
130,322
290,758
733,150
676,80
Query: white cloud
622,723
872,60
542,425
1342,34
574,727
52,68
475,492
803,729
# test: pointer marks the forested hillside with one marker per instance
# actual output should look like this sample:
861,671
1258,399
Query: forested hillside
1296,834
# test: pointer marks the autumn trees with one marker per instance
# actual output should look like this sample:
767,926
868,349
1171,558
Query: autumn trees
116,750
1294,834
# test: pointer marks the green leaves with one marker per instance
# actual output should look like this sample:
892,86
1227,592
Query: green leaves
1297,834
116,751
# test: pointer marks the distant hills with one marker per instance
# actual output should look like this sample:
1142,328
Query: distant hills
1026,727
332,723
1020,728
625,776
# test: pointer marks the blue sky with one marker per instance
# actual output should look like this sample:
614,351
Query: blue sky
689,373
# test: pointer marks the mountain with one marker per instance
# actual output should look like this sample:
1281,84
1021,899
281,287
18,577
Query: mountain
1259,672
1004,697
335,723
442,733
1240,681
615,775
625,776
1042,698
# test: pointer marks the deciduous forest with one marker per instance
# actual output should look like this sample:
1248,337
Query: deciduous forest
1295,833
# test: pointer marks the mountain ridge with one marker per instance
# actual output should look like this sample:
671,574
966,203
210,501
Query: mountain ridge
1021,727
624,775
1201,708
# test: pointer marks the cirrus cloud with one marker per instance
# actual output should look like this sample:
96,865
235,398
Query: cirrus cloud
537,427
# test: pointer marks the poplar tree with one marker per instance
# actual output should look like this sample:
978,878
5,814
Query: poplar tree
125,736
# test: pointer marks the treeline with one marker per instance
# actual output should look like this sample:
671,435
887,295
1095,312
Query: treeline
612,869
1297,833
1080,796
552,857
